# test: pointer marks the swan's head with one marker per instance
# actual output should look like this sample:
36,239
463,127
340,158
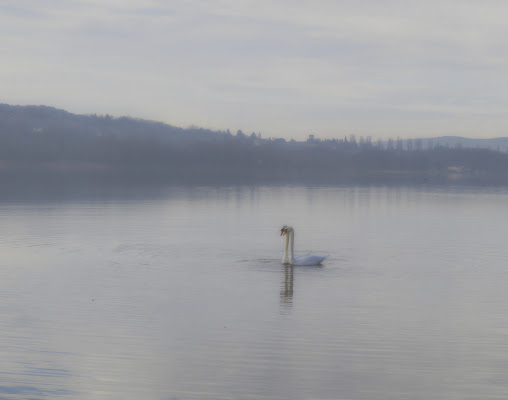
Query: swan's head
285,230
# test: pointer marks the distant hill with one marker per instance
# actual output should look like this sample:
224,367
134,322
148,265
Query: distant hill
42,119
42,142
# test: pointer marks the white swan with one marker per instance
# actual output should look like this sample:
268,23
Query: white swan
305,259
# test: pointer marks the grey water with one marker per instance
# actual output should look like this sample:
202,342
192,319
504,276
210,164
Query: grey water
179,293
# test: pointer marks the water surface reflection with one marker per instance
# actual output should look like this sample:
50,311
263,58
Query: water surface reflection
128,296
286,293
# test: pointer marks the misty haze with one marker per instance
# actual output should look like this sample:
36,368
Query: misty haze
253,200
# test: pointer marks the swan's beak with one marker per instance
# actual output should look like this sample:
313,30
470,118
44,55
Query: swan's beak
283,233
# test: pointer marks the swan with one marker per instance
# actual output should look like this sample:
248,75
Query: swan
305,259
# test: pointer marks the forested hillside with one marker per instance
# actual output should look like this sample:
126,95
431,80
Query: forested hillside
41,141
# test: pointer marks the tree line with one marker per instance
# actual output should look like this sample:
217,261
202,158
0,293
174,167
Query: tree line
45,140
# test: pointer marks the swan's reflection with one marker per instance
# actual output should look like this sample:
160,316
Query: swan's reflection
286,293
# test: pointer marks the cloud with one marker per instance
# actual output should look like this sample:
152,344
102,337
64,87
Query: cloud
283,68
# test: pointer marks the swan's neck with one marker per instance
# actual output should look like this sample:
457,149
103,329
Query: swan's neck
291,246
289,249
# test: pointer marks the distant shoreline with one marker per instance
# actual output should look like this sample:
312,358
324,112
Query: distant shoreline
44,144
68,174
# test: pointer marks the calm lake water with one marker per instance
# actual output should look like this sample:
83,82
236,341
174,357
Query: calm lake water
178,293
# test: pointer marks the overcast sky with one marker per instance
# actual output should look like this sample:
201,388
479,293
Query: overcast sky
282,68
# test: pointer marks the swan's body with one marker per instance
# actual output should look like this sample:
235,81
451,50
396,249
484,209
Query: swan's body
289,256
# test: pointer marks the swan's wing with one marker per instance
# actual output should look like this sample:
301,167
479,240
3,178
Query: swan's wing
309,259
